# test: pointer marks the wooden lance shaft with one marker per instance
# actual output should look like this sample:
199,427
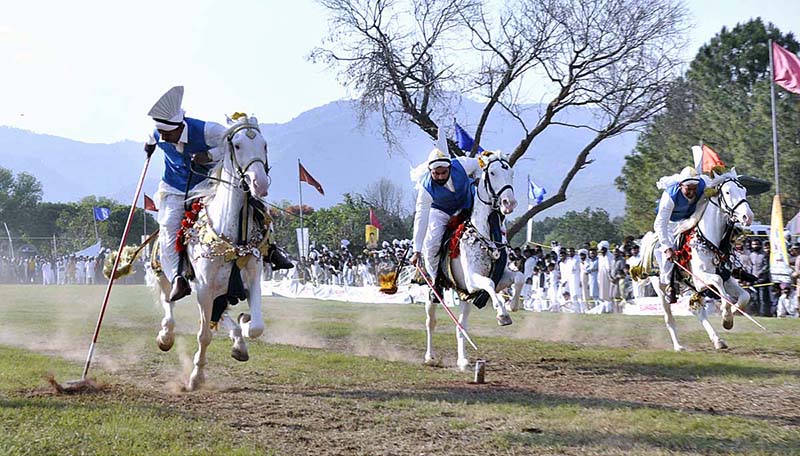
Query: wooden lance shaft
449,312
114,270
718,294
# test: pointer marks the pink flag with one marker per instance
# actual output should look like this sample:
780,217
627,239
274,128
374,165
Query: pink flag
374,220
785,69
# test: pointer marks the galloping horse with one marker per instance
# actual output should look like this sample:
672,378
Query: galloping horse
711,259
230,229
483,240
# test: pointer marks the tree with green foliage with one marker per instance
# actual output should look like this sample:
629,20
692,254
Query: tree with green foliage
722,101
575,228
19,196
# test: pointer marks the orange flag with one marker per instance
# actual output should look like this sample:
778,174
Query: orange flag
711,160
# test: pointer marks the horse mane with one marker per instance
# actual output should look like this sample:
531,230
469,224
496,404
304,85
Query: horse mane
717,179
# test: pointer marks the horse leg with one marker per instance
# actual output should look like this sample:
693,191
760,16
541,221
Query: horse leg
518,281
702,315
205,302
742,299
239,350
714,281
430,326
463,361
669,320
477,281
253,323
166,336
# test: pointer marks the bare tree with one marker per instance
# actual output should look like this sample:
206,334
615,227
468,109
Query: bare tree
387,196
614,58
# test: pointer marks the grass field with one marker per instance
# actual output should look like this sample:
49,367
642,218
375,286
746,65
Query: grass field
338,378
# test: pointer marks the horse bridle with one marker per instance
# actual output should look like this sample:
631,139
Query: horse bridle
251,129
239,169
723,205
487,184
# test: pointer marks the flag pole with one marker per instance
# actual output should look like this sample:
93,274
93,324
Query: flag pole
774,123
302,226
94,217
529,235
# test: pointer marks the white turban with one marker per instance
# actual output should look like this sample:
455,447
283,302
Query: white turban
602,244
437,159
167,112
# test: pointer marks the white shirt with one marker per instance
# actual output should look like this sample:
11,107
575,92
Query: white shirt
661,225
425,200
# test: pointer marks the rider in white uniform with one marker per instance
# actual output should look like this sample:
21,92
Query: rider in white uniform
443,191
679,201
187,143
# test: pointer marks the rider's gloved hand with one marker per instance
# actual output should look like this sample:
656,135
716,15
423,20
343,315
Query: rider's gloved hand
150,145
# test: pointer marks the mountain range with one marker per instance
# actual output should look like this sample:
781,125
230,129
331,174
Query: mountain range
342,154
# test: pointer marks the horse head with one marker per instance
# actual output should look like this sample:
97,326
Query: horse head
498,181
732,198
246,155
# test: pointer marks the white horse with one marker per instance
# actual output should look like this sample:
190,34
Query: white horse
214,244
494,198
710,251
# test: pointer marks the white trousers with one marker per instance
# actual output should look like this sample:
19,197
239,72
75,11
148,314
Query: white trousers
170,214
664,266
437,223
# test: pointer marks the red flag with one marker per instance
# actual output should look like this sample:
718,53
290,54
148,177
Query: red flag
149,204
305,177
374,220
711,161
785,68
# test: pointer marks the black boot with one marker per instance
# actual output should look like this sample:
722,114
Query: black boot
432,294
278,258
180,288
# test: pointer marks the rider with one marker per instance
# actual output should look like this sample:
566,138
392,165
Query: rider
443,192
186,143
682,193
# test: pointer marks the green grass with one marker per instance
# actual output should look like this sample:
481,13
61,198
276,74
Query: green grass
350,375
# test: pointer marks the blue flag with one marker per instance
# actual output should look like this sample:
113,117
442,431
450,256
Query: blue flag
464,140
101,213
535,193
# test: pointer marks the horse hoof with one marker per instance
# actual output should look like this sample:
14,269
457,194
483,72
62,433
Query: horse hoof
720,344
244,318
463,365
240,355
165,345
504,320
679,348
727,323
433,362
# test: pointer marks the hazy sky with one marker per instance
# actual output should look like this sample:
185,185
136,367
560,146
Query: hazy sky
90,70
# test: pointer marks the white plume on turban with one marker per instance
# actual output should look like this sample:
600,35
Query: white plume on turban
167,112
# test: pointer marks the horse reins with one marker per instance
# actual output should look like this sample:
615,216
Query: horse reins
487,184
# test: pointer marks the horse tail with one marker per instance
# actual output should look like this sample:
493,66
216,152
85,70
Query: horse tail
642,270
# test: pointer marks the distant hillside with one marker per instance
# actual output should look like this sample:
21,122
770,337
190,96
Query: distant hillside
336,151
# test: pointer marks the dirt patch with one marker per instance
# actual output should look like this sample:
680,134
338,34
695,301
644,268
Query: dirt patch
366,420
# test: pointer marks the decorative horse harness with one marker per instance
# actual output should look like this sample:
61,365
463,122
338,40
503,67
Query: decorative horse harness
493,245
253,243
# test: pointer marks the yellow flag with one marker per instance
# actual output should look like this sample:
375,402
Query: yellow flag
779,269
371,236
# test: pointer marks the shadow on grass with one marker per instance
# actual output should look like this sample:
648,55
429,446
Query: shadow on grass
489,395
